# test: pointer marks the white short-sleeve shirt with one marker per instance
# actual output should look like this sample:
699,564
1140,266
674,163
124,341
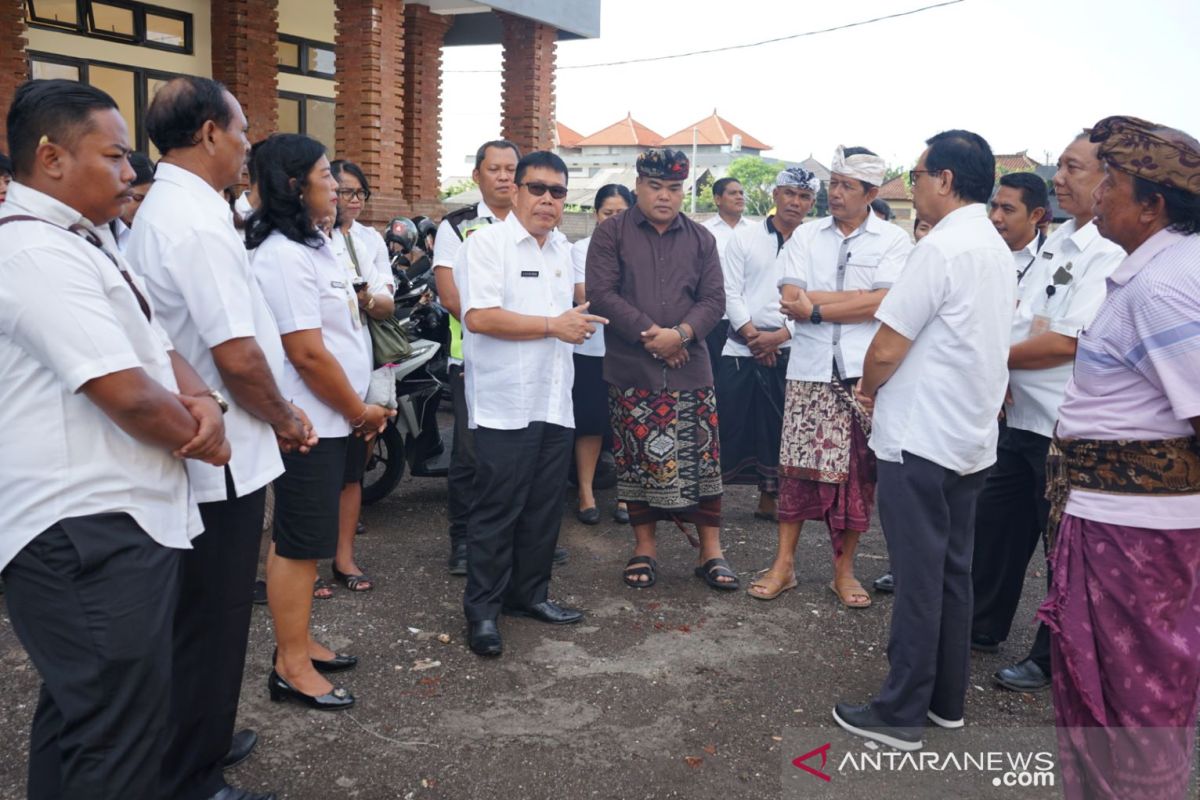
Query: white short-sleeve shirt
61,455
511,384
819,258
954,301
378,281
308,289
1076,263
752,268
594,346
195,265
723,232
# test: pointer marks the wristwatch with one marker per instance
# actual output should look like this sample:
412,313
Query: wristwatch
815,319
685,339
220,398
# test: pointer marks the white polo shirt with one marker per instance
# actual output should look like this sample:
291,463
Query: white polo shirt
753,267
512,384
67,316
446,247
955,301
594,346
378,281
723,232
307,289
818,258
195,265
1077,264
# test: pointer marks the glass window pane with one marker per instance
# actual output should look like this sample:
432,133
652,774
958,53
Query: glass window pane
165,31
289,115
288,54
62,11
112,19
320,60
47,69
321,122
119,85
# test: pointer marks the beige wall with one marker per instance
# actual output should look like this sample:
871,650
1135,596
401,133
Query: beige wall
303,84
308,19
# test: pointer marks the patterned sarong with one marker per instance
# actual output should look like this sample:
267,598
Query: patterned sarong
666,446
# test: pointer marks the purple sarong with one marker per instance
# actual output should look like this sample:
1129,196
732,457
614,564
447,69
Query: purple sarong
1124,615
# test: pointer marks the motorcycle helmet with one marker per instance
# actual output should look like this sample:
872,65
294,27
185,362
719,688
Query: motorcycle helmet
431,322
401,235
427,233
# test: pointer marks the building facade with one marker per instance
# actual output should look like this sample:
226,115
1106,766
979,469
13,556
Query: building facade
362,76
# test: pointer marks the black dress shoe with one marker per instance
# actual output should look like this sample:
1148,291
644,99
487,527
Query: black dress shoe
982,643
546,611
484,638
234,793
1023,677
621,515
560,555
885,583
588,516
338,663
240,748
337,700
863,721
458,560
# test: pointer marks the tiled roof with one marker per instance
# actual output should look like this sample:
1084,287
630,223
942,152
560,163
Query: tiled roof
713,130
565,136
626,132
895,189
1016,162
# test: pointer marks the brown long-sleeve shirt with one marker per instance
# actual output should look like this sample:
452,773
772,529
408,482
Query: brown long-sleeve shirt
637,277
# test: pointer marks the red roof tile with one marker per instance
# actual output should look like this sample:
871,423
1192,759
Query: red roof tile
626,132
1016,162
895,189
713,130
565,136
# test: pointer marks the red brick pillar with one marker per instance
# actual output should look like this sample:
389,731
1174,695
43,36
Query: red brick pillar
370,98
527,116
244,38
13,69
424,33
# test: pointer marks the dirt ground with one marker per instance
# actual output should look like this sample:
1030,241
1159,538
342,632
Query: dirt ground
675,691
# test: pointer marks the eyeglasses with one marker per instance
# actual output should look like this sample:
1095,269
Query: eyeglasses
537,189
913,173
354,194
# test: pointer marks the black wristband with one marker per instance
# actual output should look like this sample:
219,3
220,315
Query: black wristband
815,319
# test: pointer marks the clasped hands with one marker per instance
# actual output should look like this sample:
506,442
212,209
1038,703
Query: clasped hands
764,346
666,345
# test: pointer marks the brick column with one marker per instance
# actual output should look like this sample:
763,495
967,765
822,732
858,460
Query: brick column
527,116
244,35
13,69
370,98
424,33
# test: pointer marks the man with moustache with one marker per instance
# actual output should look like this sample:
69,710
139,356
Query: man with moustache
753,369
1124,603
837,271
656,276
1056,299
516,286
1017,209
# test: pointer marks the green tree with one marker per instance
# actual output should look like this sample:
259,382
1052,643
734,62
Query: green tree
756,177
456,188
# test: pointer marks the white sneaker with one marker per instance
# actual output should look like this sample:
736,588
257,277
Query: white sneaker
944,723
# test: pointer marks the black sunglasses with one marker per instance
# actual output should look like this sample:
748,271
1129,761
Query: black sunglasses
537,189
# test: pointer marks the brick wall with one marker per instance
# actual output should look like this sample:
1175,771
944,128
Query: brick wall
424,33
13,69
527,116
244,38
370,98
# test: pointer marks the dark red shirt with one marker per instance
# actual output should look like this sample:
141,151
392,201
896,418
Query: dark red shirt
637,277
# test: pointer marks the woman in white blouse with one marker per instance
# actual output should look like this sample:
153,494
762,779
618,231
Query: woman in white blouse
363,254
326,372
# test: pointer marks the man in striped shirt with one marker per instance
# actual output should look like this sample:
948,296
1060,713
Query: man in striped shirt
1124,475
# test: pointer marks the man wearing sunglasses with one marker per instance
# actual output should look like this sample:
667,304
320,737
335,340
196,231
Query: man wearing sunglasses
516,285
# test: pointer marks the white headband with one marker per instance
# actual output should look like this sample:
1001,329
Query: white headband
863,167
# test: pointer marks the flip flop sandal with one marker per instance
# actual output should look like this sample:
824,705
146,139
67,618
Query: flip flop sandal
650,570
783,587
321,590
715,568
852,591
769,517
355,583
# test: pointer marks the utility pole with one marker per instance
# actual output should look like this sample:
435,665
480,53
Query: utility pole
695,167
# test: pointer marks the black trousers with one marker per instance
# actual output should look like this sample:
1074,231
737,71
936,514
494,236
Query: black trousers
752,400
92,600
212,624
461,476
715,341
519,482
1009,522
928,517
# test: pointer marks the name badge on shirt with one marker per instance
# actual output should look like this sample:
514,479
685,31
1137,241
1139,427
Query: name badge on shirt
1047,254
530,273
337,284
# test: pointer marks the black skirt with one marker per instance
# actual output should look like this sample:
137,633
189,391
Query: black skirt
307,495
589,396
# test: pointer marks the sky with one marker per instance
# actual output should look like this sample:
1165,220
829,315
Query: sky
1025,74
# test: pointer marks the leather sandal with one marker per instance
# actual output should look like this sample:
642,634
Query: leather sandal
355,583
763,584
849,589
632,576
713,569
